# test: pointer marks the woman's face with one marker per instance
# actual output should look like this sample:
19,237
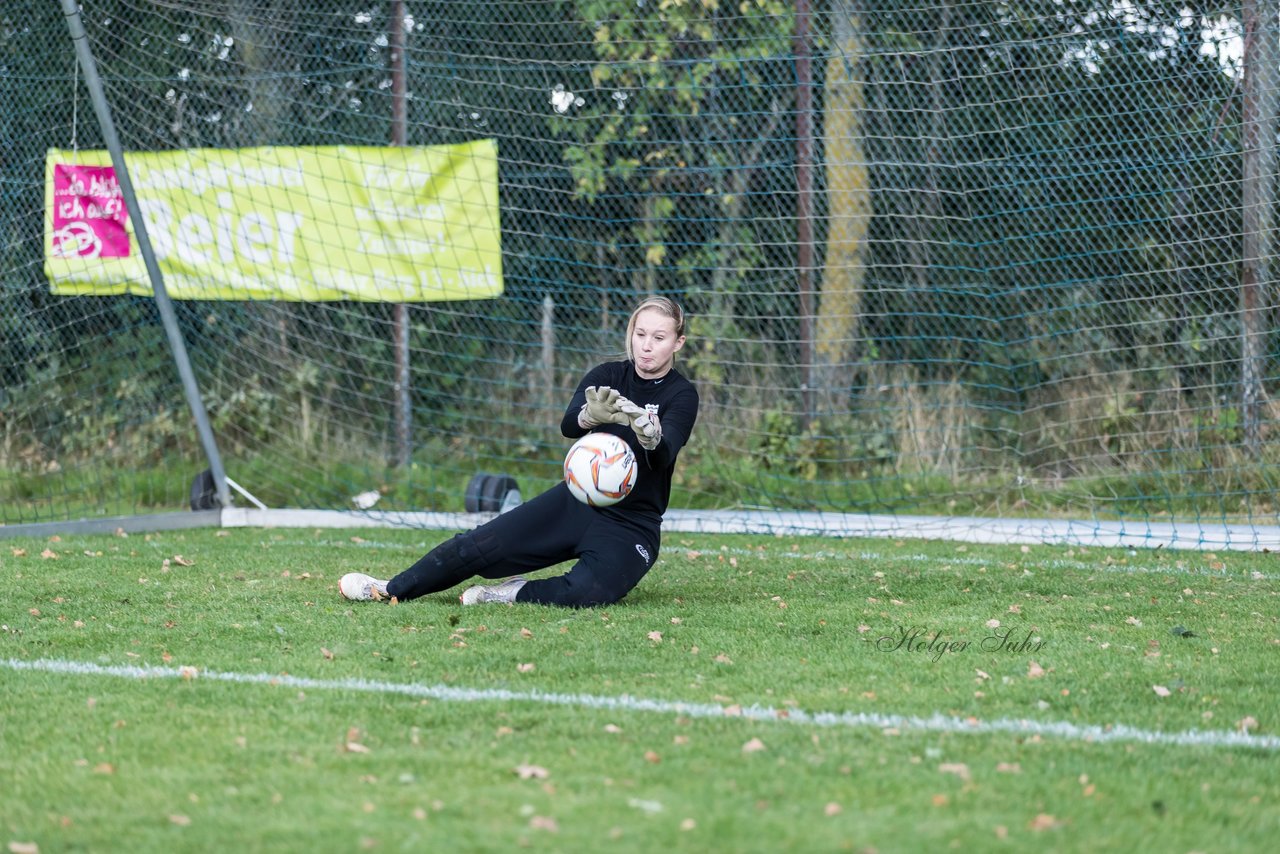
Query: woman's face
654,343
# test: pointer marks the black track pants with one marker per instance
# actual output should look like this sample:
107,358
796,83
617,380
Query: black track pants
613,552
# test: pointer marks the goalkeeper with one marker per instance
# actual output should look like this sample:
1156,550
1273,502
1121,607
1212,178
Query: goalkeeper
646,402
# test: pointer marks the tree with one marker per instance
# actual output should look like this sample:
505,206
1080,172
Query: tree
849,205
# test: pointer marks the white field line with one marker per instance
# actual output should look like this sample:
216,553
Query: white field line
626,703
1105,534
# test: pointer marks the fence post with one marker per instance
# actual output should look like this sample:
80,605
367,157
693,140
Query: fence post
165,305
548,351
400,138
1257,200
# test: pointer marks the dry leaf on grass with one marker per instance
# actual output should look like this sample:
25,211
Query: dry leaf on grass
352,743
531,772
1034,670
1161,691
755,745
1042,822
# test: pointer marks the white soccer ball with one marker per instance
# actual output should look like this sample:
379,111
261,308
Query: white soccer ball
600,469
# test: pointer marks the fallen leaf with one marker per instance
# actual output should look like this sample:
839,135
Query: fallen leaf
655,637
993,624
526,667
612,728
352,742
182,561
650,756
1009,768
755,745
1161,691
1043,821
24,848
1133,621
531,772
1247,723
644,805
832,809
180,820
958,768
1034,670
525,633
49,554
539,822
326,653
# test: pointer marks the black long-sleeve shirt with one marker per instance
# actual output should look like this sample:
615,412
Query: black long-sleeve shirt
677,402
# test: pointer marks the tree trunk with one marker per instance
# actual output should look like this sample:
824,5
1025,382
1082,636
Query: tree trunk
849,212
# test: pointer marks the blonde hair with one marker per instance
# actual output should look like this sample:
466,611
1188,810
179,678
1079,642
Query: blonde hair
666,306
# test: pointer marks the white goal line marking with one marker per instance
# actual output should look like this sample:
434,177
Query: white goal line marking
859,720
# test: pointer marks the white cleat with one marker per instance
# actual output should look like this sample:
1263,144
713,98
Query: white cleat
359,587
482,594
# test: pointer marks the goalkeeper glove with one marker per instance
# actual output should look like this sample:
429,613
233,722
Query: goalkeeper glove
647,427
601,408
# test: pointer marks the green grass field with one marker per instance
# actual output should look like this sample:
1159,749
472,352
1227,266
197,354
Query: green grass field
209,690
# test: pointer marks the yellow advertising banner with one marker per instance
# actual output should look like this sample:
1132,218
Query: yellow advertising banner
302,224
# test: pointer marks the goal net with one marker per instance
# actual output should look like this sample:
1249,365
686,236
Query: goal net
978,268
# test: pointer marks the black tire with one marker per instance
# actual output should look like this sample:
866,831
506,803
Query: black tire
485,492
496,490
204,492
475,492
